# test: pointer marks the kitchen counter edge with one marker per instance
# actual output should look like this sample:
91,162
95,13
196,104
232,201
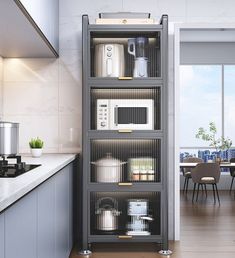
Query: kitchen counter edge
12,189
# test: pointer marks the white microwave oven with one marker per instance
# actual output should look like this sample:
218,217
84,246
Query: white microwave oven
117,114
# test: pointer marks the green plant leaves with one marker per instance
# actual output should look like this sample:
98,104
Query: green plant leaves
218,143
36,143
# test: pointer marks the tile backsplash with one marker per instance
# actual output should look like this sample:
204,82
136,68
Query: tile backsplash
44,97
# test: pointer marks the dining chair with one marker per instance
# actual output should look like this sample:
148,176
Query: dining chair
232,173
204,174
187,171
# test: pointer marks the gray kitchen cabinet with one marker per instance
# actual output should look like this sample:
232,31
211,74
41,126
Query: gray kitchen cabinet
40,225
2,235
62,213
70,207
21,228
46,219
29,28
46,15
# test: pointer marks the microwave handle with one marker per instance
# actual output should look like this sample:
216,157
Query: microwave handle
116,115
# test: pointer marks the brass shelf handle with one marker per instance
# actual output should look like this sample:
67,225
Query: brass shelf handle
125,237
125,78
125,131
125,184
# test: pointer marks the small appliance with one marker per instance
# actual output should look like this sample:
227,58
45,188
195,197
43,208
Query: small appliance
108,169
107,214
137,47
139,219
116,114
109,60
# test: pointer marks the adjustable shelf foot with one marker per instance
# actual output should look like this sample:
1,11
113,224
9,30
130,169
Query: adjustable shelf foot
165,252
85,252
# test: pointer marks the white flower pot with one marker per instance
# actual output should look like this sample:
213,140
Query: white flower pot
36,153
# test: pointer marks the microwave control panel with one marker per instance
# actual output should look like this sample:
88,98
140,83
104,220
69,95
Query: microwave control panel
102,114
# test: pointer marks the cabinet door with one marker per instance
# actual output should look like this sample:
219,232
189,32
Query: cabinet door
62,213
70,206
46,219
45,14
2,235
21,228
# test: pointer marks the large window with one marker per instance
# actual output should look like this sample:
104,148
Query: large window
229,102
207,94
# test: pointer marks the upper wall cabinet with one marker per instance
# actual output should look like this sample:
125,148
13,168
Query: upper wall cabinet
29,28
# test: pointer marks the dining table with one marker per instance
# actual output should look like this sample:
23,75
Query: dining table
193,165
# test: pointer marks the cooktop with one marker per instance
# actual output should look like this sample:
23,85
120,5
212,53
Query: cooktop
14,169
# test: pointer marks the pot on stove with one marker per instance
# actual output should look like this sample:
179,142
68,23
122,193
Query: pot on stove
9,138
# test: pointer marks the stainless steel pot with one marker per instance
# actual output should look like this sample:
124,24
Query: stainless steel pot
9,138
107,214
108,169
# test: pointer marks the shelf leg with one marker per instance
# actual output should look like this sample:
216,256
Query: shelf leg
85,252
165,252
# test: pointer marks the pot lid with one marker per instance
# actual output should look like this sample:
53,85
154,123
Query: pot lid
108,160
8,124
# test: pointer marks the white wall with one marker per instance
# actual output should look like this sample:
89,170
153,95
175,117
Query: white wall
44,95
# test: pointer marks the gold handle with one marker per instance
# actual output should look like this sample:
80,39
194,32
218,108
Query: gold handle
124,184
125,78
125,131
124,237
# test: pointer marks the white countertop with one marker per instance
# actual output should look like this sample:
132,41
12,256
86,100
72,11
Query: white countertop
11,189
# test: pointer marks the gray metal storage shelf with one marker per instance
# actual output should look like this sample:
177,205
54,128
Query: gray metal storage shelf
151,188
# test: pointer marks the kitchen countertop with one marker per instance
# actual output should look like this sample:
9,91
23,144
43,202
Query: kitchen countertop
12,189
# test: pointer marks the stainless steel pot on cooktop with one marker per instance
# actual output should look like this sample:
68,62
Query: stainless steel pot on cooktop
9,138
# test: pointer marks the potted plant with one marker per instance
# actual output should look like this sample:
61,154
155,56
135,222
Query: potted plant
36,146
219,144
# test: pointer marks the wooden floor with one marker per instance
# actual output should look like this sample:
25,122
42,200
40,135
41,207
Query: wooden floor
207,231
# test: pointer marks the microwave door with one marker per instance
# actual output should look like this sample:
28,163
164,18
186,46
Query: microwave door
129,116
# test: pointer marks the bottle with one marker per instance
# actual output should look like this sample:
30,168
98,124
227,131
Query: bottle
151,175
135,175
